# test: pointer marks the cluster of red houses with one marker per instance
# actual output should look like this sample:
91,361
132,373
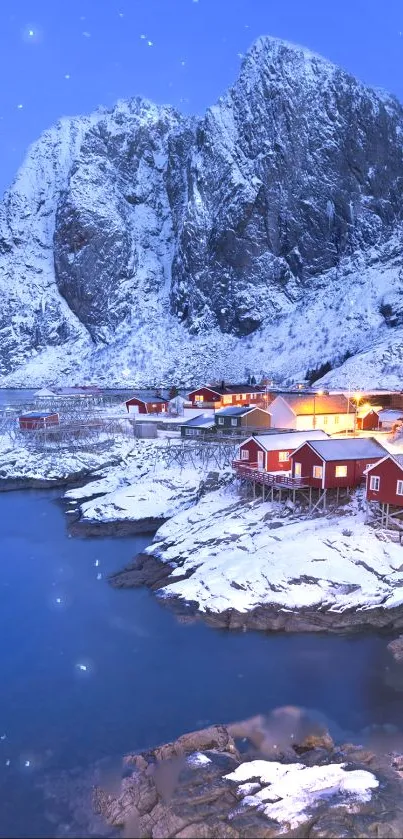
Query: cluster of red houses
313,459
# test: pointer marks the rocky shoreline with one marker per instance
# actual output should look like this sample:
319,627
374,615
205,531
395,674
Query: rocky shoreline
274,775
148,571
88,527
77,479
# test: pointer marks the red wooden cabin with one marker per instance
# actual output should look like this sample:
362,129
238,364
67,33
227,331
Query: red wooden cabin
221,396
155,405
368,420
332,463
33,420
272,452
385,480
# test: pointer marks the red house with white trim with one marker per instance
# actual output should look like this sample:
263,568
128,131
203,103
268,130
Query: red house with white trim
385,480
155,405
333,463
272,452
222,396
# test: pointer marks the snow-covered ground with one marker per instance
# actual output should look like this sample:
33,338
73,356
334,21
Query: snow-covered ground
289,793
142,487
247,556
20,461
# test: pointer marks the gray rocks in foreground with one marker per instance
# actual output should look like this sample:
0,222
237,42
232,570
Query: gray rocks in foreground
188,788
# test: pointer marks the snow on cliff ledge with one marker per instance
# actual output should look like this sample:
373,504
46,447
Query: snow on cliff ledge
242,556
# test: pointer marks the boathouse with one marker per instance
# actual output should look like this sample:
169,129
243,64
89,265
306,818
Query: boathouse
33,420
332,463
272,452
153,405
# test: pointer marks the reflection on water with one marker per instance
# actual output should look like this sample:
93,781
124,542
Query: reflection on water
89,672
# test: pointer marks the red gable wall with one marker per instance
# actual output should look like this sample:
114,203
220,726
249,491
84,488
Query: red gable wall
389,474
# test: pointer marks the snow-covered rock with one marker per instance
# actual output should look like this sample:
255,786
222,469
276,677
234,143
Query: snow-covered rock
23,466
141,491
289,793
263,236
247,564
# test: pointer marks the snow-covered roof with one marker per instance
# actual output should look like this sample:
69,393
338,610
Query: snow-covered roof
348,448
237,410
368,409
223,389
199,422
44,392
398,458
287,441
390,415
37,414
308,403
150,400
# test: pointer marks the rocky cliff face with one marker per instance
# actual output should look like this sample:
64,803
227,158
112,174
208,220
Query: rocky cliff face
202,227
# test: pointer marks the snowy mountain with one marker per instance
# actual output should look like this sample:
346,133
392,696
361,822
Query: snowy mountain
265,236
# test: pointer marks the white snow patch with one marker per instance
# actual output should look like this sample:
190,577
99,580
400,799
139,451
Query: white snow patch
292,792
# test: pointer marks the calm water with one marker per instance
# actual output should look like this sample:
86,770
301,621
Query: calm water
147,678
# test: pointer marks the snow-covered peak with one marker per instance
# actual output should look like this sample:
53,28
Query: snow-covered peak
137,220
268,47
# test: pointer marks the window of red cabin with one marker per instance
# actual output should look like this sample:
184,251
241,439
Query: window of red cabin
244,454
374,482
317,472
283,457
341,471
399,488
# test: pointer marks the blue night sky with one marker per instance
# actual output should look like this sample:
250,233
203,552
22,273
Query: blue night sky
62,58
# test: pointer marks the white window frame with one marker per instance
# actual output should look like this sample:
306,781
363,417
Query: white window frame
399,487
374,483
227,400
244,454
325,419
234,422
344,473
336,419
220,420
199,397
244,396
283,457
318,469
